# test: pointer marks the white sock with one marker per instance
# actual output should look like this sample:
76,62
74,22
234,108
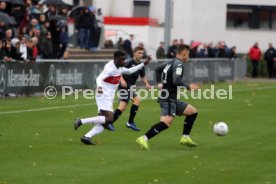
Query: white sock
186,136
145,138
94,120
97,129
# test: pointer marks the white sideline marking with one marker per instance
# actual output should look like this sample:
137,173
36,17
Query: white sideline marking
80,105
46,108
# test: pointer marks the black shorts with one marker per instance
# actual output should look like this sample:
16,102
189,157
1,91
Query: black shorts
172,108
126,94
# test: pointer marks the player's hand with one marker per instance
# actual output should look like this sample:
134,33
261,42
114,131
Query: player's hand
124,84
193,86
160,86
148,86
148,60
99,90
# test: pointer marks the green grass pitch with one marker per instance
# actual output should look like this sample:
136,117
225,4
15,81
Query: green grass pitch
38,144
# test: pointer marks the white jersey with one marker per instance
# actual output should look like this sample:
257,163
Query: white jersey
109,80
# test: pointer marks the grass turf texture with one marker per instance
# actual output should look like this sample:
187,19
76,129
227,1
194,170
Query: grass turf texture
42,147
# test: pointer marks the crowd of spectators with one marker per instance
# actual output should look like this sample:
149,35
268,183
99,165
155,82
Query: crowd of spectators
38,32
198,50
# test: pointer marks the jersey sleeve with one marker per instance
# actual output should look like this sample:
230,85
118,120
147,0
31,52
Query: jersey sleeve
177,75
143,72
158,72
128,71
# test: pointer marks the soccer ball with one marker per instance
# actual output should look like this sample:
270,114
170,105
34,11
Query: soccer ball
221,129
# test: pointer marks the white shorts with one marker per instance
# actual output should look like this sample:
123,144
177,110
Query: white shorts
105,101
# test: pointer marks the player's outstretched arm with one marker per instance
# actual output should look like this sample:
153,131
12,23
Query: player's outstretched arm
134,69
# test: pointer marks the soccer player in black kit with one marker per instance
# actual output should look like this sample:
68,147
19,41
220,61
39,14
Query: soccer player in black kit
126,94
170,74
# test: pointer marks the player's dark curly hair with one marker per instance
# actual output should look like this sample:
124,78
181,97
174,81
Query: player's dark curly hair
118,54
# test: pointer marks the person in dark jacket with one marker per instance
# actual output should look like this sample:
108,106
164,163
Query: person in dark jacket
85,25
8,50
269,56
211,50
64,39
127,48
160,53
233,53
222,51
172,49
2,52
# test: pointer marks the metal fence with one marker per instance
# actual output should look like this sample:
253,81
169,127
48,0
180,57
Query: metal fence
21,78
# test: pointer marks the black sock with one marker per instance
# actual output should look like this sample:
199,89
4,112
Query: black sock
133,111
188,123
156,129
116,114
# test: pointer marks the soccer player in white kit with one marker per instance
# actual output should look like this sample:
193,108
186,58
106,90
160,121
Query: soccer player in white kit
107,83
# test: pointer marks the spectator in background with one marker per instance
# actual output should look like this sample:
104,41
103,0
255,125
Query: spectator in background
160,53
254,55
15,50
120,44
63,39
3,7
233,53
94,31
100,25
211,50
35,48
23,47
108,44
203,52
222,51
2,52
8,50
172,49
181,42
128,48
30,55
134,42
51,12
9,34
29,34
47,51
18,14
43,31
2,30
269,57
86,23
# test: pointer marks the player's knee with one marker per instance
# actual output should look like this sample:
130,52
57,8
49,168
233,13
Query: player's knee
109,119
137,101
190,110
122,106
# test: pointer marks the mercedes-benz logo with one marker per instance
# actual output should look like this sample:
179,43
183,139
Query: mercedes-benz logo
2,78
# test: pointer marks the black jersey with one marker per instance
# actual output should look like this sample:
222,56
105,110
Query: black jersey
132,78
170,74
